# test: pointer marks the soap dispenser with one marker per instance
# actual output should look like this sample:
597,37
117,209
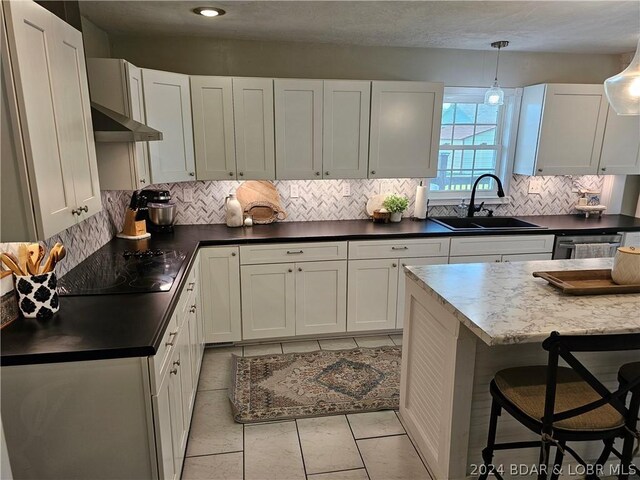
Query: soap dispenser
233,211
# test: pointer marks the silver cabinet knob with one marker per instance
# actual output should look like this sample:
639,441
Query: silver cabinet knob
404,264
173,372
241,174
394,265
231,174
299,269
373,172
192,174
326,173
290,270
177,363
540,170
85,208
142,180
317,174
192,309
233,254
604,169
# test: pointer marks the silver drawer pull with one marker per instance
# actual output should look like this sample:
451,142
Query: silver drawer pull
190,287
171,337
294,252
400,248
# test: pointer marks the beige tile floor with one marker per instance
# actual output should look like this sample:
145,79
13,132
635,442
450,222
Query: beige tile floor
362,446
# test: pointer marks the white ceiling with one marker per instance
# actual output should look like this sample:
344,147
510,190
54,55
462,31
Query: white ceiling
540,26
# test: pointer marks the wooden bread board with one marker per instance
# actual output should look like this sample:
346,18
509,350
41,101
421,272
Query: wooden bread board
586,282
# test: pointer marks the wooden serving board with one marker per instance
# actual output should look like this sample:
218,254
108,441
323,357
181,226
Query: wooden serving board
586,282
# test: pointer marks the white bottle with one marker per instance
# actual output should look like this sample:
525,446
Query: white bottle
233,213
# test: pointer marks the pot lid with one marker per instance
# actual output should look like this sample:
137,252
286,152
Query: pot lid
630,250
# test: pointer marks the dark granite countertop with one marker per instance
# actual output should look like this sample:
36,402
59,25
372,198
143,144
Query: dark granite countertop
131,325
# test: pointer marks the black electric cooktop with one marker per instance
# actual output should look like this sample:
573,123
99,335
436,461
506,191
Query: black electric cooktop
105,273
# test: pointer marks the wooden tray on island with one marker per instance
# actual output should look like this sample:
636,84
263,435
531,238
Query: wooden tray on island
586,282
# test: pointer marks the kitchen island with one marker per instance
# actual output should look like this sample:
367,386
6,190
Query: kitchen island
463,323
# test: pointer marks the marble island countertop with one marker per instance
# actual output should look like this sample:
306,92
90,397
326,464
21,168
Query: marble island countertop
502,303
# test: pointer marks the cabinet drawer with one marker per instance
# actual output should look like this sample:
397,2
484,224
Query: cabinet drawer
502,245
292,252
526,257
161,360
433,247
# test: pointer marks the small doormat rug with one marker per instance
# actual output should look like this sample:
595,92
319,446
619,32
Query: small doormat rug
326,382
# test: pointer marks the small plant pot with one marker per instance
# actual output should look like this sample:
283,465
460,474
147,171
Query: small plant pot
37,295
395,217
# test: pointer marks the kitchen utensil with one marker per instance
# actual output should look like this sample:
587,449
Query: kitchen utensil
11,263
626,266
23,258
233,211
162,213
586,282
53,258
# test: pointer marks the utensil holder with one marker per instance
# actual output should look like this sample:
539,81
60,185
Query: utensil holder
37,295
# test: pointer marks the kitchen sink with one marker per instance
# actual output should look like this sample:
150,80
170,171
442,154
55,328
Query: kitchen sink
474,224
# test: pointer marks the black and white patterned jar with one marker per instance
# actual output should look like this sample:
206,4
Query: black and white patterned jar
37,295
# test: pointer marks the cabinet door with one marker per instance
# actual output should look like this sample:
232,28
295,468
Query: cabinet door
268,301
321,297
621,145
572,130
298,121
167,106
186,381
475,259
212,107
405,129
140,149
176,413
407,262
35,50
220,274
161,404
372,295
345,152
254,130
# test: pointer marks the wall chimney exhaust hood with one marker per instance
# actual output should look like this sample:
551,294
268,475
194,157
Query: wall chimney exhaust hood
110,126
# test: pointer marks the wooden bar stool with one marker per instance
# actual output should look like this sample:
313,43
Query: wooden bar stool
563,404
629,374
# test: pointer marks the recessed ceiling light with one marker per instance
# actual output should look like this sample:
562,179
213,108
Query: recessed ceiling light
209,11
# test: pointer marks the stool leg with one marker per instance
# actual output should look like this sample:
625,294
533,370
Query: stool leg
545,449
487,453
629,439
606,452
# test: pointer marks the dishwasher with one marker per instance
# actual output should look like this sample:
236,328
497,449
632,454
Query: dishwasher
565,246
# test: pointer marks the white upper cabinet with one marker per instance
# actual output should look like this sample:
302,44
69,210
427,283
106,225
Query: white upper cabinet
254,130
345,152
621,145
213,135
561,130
53,108
405,129
298,127
117,84
167,104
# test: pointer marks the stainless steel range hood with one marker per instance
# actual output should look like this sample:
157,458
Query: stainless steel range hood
110,126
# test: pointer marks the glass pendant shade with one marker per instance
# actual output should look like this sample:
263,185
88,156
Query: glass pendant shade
623,89
494,96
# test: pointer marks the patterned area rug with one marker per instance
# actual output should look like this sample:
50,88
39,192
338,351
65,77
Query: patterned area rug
326,382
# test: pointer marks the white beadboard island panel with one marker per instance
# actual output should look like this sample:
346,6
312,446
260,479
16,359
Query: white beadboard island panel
463,323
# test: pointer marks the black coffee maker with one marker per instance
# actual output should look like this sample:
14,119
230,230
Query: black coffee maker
151,197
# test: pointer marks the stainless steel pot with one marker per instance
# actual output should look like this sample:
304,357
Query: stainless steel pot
162,213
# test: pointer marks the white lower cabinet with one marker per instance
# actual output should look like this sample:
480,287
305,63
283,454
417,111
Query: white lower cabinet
268,301
372,294
321,297
220,284
501,248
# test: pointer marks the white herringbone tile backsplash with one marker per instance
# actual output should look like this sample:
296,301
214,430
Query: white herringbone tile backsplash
319,200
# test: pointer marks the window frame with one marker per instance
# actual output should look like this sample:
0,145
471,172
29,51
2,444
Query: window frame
507,127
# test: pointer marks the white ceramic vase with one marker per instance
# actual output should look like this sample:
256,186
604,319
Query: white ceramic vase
395,217
233,213
626,266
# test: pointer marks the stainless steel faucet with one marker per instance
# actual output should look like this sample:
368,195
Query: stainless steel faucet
472,207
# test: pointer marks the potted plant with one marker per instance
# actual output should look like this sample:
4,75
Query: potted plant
395,205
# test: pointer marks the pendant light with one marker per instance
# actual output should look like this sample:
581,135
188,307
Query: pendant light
495,95
623,89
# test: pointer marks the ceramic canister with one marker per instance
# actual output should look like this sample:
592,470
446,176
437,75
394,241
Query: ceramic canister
626,266
37,295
